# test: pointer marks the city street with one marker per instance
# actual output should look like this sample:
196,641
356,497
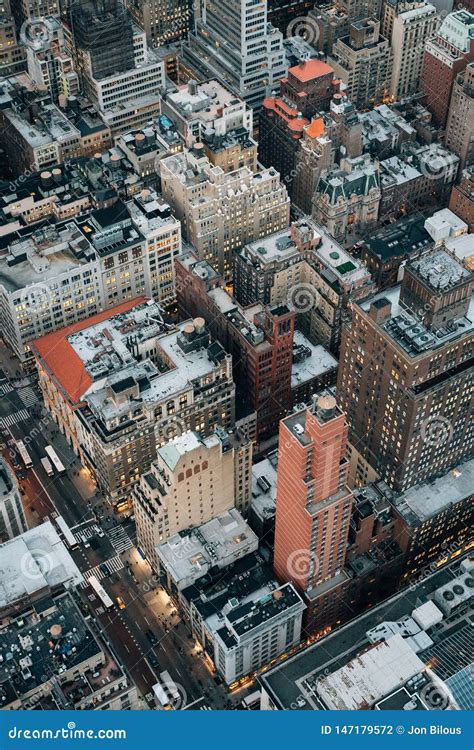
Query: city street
105,539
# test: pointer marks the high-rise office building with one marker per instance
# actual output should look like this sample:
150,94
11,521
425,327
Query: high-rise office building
313,502
164,21
411,29
446,55
12,54
220,212
119,72
362,61
193,480
305,91
405,372
460,125
235,42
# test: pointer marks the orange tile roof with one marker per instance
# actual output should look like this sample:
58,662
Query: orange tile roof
55,353
316,128
310,70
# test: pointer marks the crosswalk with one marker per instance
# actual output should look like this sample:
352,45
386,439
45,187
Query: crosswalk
5,388
114,564
87,533
119,539
28,396
11,419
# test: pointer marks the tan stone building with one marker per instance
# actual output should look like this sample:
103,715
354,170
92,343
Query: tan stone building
220,212
460,125
193,480
362,61
123,383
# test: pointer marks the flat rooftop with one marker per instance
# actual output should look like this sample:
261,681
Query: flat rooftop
293,683
264,480
409,332
206,103
35,649
423,501
243,618
34,561
401,238
190,555
315,361
439,270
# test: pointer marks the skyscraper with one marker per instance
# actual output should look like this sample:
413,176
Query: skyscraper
164,21
411,29
460,125
446,55
12,54
405,372
235,42
313,503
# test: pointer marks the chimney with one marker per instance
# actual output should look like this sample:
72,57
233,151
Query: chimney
380,310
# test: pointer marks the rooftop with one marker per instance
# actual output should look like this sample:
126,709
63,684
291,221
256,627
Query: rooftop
309,361
64,352
423,501
239,618
402,238
309,70
409,332
34,649
34,561
264,480
439,270
351,664
190,555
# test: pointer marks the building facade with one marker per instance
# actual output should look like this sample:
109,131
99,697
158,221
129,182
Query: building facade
192,481
404,378
220,212
446,55
460,128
